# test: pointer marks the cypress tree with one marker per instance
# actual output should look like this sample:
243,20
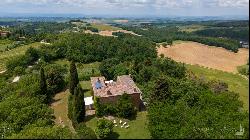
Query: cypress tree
43,84
73,77
78,106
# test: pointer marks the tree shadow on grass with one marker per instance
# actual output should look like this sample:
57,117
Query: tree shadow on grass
113,135
89,117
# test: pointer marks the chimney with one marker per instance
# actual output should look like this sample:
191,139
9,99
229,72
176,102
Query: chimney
109,93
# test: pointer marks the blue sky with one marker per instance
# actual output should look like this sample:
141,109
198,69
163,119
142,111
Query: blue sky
127,7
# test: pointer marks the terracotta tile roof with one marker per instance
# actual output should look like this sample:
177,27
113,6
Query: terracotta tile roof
123,84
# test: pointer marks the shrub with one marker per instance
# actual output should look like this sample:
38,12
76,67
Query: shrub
55,77
104,128
218,86
19,70
21,61
85,132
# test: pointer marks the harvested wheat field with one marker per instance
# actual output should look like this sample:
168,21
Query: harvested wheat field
207,56
110,33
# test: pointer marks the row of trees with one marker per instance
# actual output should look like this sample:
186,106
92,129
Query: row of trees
240,34
170,33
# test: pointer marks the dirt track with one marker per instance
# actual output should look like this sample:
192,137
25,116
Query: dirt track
208,56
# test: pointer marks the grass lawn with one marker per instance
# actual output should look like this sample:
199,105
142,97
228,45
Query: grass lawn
5,56
60,107
236,82
86,85
103,27
81,68
137,130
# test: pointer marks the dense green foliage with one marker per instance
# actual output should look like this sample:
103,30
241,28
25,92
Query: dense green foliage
104,128
30,56
36,31
170,33
45,133
85,132
23,111
179,106
43,83
234,33
55,77
95,30
194,111
73,78
78,113
123,108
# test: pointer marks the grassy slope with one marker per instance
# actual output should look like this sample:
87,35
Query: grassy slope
236,82
137,130
5,56
4,43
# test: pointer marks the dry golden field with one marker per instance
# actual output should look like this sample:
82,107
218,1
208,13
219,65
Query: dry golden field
206,56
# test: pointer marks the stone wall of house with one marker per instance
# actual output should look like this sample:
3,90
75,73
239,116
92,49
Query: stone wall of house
113,99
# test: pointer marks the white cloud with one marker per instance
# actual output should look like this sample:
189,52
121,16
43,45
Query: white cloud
143,7
226,3
132,3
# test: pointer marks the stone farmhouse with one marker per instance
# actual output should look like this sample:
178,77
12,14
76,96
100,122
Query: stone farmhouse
109,91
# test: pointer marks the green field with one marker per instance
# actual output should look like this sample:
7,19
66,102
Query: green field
5,56
236,82
191,28
137,130
102,27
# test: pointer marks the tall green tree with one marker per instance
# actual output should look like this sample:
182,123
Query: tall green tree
78,106
73,77
43,84
193,111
